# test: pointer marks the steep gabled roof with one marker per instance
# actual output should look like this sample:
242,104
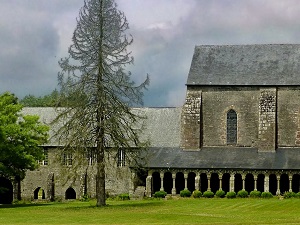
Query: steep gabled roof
266,64
224,157
161,126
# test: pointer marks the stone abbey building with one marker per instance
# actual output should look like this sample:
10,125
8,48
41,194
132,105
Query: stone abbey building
239,129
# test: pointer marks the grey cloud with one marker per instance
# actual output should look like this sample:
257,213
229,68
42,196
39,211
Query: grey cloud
32,34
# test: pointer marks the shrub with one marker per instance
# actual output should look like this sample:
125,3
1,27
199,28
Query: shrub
208,194
220,194
123,197
242,194
288,194
266,195
255,194
231,194
185,193
85,198
297,195
160,194
198,194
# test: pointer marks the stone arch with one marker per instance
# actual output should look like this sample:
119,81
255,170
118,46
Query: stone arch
295,183
191,181
179,182
39,193
273,184
249,182
203,182
156,181
214,182
168,182
238,182
6,191
261,182
70,193
225,182
231,127
284,183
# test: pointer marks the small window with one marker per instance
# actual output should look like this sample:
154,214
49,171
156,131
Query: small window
90,156
45,161
67,158
231,127
121,157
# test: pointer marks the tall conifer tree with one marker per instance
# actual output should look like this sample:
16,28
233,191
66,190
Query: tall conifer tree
98,91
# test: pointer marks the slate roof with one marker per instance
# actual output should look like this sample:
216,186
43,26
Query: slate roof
266,64
161,128
222,158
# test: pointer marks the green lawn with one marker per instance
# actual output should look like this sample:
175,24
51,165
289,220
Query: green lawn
176,211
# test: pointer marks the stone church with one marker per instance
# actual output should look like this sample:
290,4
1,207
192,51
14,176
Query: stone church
239,129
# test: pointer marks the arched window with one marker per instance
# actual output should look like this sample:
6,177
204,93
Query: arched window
231,127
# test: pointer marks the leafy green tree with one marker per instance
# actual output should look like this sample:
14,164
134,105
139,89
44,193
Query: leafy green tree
96,90
50,100
21,137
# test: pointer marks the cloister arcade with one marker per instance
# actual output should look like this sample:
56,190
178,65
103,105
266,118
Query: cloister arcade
173,181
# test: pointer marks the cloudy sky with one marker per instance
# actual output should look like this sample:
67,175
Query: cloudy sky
35,34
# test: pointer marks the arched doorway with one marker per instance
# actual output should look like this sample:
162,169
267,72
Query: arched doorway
295,183
191,181
238,182
179,182
203,182
6,191
39,193
70,193
284,183
156,182
273,184
168,182
214,182
249,182
225,182
261,182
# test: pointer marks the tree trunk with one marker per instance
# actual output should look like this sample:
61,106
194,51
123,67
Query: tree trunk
100,177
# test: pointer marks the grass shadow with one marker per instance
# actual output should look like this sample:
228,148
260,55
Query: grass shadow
7,206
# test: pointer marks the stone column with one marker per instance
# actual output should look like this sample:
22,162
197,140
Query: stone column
231,182
220,181
255,182
290,183
174,187
208,182
162,181
197,182
185,180
243,178
131,183
149,185
278,185
267,183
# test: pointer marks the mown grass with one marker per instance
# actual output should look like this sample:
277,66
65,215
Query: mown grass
176,211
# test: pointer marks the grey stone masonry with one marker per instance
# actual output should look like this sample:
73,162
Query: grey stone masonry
267,119
190,120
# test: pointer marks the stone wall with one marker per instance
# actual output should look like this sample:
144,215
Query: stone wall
267,117
288,110
118,179
216,102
